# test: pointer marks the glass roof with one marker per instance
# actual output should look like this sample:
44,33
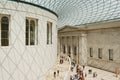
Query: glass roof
76,12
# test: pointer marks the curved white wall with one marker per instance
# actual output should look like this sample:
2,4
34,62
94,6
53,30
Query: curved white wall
21,62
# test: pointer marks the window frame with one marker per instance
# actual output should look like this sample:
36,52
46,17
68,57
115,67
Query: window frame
8,31
49,33
69,50
100,53
111,53
91,51
75,50
64,49
29,31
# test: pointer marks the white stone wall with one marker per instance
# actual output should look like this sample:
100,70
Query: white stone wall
105,39
21,62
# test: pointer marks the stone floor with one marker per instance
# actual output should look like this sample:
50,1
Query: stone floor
63,68
101,74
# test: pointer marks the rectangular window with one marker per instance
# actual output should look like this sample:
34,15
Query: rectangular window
69,51
4,30
100,53
49,32
31,31
64,49
111,54
75,50
91,52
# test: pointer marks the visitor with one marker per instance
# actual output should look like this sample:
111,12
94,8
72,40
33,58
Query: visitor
54,74
85,74
83,67
57,72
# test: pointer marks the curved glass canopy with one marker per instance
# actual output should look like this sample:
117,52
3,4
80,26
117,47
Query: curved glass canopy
76,12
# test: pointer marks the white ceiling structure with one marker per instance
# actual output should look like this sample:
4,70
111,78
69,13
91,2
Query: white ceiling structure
76,12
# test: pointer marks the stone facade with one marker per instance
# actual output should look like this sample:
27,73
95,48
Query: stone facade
70,40
104,40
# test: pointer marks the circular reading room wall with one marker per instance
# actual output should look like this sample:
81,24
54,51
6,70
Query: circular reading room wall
28,40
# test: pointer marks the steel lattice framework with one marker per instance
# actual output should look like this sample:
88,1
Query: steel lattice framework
76,12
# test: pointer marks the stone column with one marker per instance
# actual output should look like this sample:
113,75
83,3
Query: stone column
78,50
83,49
66,45
59,46
77,55
71,44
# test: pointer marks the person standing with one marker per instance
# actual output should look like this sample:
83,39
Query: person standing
54,74
83,67
58,72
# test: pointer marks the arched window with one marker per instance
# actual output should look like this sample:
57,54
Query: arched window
49,32
4,31
31,31
27,32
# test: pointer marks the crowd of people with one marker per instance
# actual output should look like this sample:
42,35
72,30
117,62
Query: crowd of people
56,73
79,70
79,74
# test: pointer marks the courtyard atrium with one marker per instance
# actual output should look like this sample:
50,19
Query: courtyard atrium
59,39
